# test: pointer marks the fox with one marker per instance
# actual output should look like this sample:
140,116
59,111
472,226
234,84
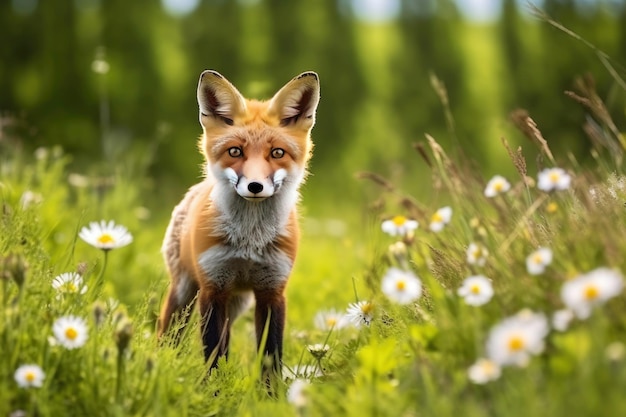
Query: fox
233,238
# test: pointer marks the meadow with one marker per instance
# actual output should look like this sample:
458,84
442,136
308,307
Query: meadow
499,296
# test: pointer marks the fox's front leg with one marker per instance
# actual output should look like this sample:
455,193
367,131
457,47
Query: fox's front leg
215,325
270,310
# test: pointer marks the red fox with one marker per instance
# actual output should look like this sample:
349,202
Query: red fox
235,234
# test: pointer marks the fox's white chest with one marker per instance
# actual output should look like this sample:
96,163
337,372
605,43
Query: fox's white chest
236,269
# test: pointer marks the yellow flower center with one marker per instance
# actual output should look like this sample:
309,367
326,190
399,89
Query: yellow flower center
498,186
475,289
436,218
516,344
29,376
537,258
105,238
399,220
70,287
477,253
367,308
71,333
401,285
591,293
331,321
554,176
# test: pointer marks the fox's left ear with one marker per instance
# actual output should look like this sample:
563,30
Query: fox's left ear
296,102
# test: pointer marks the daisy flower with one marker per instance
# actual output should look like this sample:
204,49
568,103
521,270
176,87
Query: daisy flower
106,235
537,261
561,319
70,331
591,289
497,185
29,375
318,350
296,394
476,290
516,338
330,319
69,283
399,226
483,371
403,287
440,219
553,179
477,254
360,313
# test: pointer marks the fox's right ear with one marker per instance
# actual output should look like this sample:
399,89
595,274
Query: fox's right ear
219,101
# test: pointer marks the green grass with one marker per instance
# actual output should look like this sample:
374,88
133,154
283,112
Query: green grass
411,361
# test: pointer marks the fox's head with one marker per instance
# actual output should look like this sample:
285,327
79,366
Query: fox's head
257,147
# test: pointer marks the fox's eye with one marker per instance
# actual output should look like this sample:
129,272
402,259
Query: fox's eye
278,153
235,152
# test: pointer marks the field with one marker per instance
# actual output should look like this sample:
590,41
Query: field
500,296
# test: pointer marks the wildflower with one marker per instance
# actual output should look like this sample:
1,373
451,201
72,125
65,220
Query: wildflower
399,226
516,338
483,371
553,179
318,350
296,394
477,254
591,289
69,283
106,235
440,219
497,185
28,376
476,290
70,331
330,319
552,207
537,261
400,286
360,313
561,319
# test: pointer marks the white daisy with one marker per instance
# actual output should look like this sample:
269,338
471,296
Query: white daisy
399,226
516,338
561,319
360,313
69,283
296,394
477,254
497,185
318,350
70,331
476,290
553,179
440,219
106,235
537,261
403,287
594,288
483,371
330,319
29,375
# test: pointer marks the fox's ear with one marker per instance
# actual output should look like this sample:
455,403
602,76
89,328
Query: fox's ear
218,99
296,102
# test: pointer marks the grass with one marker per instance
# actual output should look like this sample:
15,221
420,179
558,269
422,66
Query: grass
412,360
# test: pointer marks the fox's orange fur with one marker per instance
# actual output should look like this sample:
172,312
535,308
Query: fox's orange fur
235,234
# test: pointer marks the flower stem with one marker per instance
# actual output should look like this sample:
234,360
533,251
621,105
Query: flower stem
100,279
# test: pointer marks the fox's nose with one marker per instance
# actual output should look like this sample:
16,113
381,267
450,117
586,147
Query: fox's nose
255,187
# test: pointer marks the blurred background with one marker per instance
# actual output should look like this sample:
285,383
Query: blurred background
113,81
